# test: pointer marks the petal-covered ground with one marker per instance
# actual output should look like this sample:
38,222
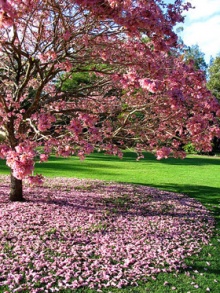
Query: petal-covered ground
72,233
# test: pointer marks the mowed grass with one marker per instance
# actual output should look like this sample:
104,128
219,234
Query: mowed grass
196,176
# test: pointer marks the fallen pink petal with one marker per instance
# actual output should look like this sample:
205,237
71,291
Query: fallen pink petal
73,233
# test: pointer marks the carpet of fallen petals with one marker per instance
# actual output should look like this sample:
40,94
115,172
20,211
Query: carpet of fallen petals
72,233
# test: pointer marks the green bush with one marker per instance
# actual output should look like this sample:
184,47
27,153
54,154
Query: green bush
190,149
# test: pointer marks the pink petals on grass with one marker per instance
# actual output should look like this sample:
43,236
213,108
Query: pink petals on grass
73,233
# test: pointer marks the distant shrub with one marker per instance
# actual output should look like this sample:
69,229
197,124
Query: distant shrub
190,149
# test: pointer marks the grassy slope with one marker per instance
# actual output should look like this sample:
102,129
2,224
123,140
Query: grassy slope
197,176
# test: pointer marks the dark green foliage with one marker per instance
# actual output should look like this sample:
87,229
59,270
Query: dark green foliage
190,149
194,54
214,77
77,80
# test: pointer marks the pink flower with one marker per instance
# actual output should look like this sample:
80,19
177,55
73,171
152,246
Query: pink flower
67,35
36,180
43,157
45,121
148,84
163,153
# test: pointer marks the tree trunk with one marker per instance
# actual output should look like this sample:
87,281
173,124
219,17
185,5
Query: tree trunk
16,192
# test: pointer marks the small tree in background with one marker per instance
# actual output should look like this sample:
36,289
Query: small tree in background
129,92
194,54
214,77
213,85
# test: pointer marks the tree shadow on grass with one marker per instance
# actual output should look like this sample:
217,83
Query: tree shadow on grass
192,161
207,195
73,166
121,204
73,163
149,157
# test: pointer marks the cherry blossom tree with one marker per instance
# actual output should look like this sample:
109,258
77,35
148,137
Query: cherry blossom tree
137,93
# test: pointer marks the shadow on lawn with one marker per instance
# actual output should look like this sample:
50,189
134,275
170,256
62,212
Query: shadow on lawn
207,195
104,164
148,157
73,166
70,164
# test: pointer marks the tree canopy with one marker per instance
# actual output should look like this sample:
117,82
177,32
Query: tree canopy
129,92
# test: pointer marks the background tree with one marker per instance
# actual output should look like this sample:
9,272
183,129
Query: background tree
191,53
127,92
214,77
197,56
213,85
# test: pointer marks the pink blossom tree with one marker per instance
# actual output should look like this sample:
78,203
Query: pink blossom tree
139,94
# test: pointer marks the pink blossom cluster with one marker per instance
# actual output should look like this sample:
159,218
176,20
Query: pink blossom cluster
10,9
148,14
45,121
35,180
151,85
5,7
84,122
163,153
3,150
74,233
21,160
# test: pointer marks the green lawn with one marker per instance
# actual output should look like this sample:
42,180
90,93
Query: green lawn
196,176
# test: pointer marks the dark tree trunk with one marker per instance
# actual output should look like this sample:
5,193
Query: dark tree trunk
16,192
